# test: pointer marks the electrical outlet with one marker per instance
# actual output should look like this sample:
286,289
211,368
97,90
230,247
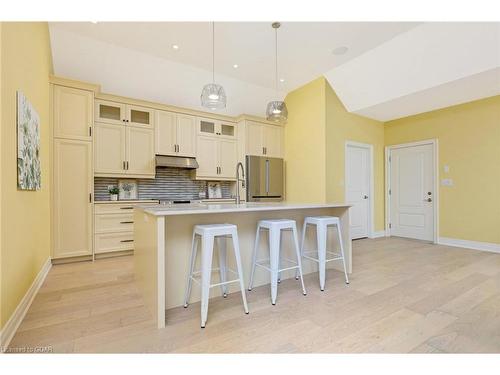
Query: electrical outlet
447,182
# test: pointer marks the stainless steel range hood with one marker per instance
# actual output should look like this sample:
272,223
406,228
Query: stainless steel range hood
176,162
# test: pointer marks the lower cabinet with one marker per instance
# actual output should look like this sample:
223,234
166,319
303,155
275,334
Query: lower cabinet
114,226
72,200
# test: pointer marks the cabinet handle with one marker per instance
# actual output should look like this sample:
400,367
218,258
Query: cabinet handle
127,241
127,165
90,197
90,131
126,208
124,164
126,222
178,148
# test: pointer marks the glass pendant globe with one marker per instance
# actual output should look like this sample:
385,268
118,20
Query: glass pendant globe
277,111
213,96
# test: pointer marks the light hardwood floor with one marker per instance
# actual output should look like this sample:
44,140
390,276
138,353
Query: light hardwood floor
404,296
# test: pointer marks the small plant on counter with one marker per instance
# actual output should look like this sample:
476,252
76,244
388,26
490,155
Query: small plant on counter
113,193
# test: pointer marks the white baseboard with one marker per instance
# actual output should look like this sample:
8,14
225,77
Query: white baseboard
475,245
10,328
378,234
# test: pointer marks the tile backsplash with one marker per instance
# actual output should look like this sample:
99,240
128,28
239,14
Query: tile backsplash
169,184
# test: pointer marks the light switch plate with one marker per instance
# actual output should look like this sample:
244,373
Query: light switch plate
446,168
447,182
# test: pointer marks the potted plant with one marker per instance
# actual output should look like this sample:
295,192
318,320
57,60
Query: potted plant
113,193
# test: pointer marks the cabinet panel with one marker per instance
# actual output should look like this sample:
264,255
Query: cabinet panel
109,149
272,141
254,139
186,135
207,155
228,157
140,116
114,223
72,178
73,113
140,151
110,112
166,133
109,242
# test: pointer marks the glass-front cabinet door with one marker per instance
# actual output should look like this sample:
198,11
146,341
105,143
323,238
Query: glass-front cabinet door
217,128
140,116
109,112
227,129
207,126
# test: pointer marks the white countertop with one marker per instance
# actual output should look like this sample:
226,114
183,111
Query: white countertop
204,208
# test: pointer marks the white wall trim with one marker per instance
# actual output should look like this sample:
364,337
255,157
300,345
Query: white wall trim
435,150
19,313
475,245
378,234
371,207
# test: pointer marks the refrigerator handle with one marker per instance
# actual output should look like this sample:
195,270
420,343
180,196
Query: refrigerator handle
267,176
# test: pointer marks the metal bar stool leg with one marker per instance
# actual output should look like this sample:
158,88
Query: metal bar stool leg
299,261
302,241
192,261
206,270
321,240
222,255
342,251
274,257
236,247
254,257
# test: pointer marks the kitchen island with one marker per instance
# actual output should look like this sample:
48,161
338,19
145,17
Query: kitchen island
163,236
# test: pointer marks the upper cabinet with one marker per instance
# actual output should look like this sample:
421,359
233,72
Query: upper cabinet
263,139
175,134
223,129
72,111
118,113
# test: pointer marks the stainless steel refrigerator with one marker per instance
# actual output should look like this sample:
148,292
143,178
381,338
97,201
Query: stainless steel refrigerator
264,179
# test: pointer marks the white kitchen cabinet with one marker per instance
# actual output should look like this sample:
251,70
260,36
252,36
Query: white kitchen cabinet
222,129
124,151
217,158
140,151
72,198
263,139
207,157
72,113
109,112
175,134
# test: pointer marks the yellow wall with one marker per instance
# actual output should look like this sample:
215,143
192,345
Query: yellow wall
342,126
469,142
25,223
305,147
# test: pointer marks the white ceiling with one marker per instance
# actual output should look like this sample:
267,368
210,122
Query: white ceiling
390,70
137,59
433,65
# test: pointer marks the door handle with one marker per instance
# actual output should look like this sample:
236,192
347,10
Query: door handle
428,200
365,197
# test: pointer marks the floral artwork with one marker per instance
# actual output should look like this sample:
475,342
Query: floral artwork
28,145
128,189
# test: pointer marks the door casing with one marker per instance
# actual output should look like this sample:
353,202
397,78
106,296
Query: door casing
435,156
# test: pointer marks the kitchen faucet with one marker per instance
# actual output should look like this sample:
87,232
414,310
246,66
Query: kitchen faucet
238,179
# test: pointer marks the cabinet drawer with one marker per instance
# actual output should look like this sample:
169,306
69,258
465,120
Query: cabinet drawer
108,242
105,223
118,208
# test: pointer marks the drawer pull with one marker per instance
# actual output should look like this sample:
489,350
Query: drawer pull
127,241
126,222
126,208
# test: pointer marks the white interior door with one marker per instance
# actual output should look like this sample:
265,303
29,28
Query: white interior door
358,189
411,188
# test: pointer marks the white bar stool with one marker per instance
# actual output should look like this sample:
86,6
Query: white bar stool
322,223
274,228
208,235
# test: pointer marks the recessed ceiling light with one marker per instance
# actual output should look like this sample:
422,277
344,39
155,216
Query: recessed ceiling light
235,66
282,80
340,50
175,46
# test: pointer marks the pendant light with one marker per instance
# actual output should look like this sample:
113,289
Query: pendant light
213,95
276,110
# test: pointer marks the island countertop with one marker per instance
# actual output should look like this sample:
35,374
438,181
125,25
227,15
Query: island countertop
204,208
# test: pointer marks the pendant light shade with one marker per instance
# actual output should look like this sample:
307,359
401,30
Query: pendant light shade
276,110
213,95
